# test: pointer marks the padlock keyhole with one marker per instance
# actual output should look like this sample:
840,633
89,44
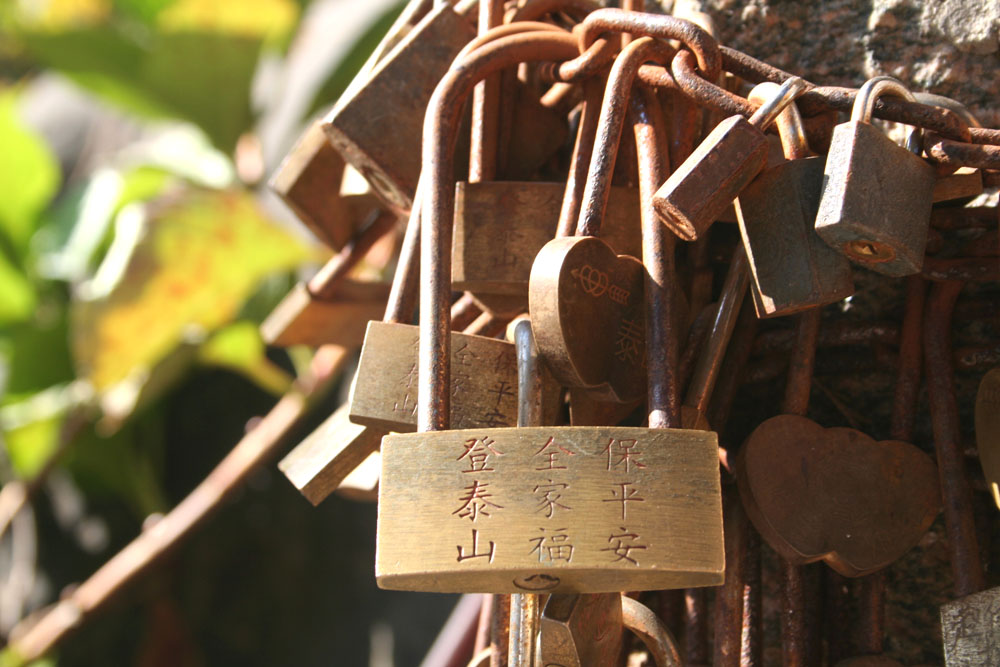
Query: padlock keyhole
869,251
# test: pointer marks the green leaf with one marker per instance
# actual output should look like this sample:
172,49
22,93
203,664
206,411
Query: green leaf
37,355
203,253
144,10
240,348
351,64
17,296
31,445
29,176
271,20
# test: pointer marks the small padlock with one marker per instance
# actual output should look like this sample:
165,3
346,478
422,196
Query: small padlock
876,201
706,183
373,125
792,268
309,181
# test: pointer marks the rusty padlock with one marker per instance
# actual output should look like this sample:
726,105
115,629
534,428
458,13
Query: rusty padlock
876,201
388,153
706,183
792,268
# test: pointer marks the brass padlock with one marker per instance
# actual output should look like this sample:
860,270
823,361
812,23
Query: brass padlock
792,268
326,457
988,431
970,630
387,152
876,201
706,183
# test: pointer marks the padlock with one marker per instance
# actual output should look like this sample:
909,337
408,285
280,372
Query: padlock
988,431
876,201
535,509
791,267
970,630
326,457
579,281
309,181
332,308
707,182
483,380
388,153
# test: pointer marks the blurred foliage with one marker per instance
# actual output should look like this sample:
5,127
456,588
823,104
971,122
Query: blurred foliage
126,277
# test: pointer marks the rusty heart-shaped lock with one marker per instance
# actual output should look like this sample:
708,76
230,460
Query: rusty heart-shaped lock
591,301
835,494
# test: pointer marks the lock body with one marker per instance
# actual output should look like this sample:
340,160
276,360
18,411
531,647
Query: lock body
483,380
549,509
581,630
302,318
378,126
704,186
876,201
970,630
791,267
500,226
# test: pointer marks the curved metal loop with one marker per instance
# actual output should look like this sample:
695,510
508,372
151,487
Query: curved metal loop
614,109
588,63
789,122
440,134
702,44
769,110
536,9
751,69
871,90
704,92
654,634
505,30
950,104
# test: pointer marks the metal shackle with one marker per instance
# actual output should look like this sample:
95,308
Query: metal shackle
769,110
789,122
868,94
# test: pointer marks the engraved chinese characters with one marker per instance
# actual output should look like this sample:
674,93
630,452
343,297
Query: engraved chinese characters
554,509
483,380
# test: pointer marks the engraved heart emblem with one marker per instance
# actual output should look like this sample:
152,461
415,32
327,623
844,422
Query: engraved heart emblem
835,494
587,313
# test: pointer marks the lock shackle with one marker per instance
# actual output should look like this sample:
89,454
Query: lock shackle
694,37
948,103
792,131
440,134
533,10
871,90
767,112
653,632
614,110
504,30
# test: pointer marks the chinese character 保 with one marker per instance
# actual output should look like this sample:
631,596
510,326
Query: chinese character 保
551,455
548,497
552,545
623,452
474,502
477,451
623,543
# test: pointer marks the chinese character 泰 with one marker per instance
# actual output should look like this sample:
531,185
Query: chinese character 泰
620,548
629,341
627,496
553,546
623,452
475,502
548,497
475,549
551,455
478,451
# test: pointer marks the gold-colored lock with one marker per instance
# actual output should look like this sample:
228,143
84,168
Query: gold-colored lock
970,630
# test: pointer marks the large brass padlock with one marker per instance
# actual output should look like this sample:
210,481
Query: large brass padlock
970,630
705,184
792,268
366,125
876,201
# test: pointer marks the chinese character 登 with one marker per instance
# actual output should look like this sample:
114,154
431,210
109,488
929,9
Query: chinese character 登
627,496
548,497
552,547
478,451
475,502
551,455
624,452
621,549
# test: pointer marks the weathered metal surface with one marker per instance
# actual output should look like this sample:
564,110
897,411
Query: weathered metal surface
550,509
971,630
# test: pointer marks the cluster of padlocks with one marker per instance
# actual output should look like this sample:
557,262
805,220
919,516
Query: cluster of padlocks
546,166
